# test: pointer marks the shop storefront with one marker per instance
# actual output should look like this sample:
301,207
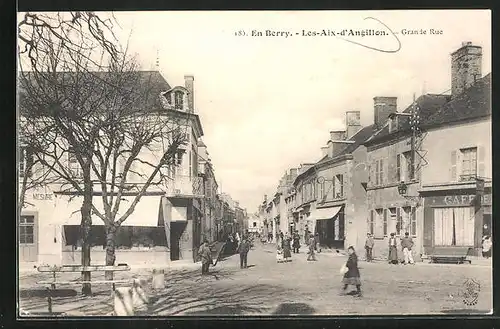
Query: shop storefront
453,219
330,224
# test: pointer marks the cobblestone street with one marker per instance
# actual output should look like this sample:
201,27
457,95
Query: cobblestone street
298,287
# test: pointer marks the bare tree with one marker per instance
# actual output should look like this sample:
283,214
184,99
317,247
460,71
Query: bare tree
103,118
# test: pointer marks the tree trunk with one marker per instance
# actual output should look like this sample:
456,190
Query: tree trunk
110,249
86,226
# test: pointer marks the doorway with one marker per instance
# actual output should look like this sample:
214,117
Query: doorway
28,239
176,230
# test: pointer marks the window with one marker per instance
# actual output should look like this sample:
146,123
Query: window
379,172
179,100
469,163
126,236
73,165
339,186
321,191
254,224
407,168
392,219
27,229
385,222
454,226
379,223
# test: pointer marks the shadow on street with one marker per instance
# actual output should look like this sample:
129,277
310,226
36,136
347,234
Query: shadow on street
294,309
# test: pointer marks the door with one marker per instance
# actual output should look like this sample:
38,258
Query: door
175,236
28,240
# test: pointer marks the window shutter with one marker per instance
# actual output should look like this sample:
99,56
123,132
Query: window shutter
385,223
382,171
377,176
398,168
480,161
398,221
369,174
453,169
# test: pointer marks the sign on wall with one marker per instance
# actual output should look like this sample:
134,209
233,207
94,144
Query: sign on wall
456,200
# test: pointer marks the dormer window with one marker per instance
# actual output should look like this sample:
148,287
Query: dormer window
179,100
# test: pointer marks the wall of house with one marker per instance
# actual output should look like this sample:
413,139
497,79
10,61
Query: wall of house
386,195
440,144
356,209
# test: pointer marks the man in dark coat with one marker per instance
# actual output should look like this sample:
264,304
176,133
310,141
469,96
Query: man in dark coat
369,243
205,254
243,249
296,242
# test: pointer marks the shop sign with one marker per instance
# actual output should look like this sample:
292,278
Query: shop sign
457,200
43,196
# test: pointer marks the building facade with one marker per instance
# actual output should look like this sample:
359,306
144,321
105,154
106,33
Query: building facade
165,224
416,183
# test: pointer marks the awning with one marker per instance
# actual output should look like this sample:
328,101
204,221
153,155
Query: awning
324,213
145,214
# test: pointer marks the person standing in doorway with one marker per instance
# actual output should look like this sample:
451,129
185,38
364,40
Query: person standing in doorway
369,247
243,250
407,245
352,276
487,244
205,254
393,250
312,243
296,242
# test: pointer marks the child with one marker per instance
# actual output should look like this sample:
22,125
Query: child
279,254
352,276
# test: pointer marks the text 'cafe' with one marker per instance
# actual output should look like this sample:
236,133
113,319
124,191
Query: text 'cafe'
453,217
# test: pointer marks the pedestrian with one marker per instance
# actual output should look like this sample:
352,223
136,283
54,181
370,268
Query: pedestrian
281,237
393,251
238,239
352,276
243,249
407,245
312,243
296,242
205,254
316,243
285,244
487,244
369,247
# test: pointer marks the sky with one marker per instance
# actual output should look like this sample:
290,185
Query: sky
268,103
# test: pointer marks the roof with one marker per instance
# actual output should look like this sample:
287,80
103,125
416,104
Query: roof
154,81
359,138
428,104
440,110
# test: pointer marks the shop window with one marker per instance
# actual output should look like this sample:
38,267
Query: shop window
126,236
454,226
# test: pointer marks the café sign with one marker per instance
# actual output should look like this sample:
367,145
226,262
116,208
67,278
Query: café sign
458,200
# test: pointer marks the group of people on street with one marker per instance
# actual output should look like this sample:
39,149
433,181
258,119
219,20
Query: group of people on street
406,248
234,244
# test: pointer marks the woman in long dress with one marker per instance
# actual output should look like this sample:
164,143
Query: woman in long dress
287,249
393,250
352,276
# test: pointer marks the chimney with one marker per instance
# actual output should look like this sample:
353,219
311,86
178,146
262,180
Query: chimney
338,135
465,67
352,123
189,84
324,151
383,106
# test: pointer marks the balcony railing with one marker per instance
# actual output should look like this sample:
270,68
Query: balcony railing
185,185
